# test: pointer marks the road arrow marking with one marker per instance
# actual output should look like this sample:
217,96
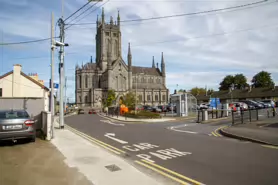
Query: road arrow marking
112,136
111,123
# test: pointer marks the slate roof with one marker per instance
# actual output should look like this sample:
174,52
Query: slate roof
242,94
28,77
90,66
146,70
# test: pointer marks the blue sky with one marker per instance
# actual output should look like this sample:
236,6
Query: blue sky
192,57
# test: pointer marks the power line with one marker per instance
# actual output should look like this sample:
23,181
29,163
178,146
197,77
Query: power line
87,14
24,42
82,12
193,13
206,36
77,10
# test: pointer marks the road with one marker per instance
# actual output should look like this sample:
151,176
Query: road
184,152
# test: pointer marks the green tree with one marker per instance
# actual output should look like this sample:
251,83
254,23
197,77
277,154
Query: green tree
226,83
262,79
182,90
240,81
210,91
111,96
129,100
198,91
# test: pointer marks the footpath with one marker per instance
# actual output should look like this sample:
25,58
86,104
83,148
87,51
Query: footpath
263,132
98,165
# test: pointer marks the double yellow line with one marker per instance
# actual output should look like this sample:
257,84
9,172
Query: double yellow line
95,141
216,131
168,173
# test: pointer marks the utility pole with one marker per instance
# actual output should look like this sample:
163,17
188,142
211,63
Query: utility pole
65,93
61,72
52,109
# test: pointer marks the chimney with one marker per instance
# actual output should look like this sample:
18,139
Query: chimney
16,80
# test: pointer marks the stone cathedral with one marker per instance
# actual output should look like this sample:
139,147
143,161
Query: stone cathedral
94,79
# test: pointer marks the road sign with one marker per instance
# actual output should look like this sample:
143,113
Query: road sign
214,102
56,86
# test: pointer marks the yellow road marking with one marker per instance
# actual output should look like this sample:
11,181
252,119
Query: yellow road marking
162,173
174,173
214,134
216,130
270,146
105,145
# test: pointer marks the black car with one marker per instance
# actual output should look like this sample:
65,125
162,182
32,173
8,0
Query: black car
147,108
252,104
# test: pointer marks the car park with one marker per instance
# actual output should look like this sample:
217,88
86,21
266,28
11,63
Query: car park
17,124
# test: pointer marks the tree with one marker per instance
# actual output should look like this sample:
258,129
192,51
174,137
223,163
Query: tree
111,96
262,79
240,81
182,90
129,100
198,91
210,91
226,83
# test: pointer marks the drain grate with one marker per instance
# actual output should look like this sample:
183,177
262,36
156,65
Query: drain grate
113,168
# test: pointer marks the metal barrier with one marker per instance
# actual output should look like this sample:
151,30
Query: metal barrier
244,116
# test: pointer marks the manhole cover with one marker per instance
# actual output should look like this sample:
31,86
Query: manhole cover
113,168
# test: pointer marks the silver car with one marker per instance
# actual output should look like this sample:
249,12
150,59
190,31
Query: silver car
16,124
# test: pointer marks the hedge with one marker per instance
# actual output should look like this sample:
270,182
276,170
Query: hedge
143,115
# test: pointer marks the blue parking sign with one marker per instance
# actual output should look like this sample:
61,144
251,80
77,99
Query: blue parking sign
56,86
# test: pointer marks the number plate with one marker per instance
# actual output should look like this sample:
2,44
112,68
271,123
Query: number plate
12,127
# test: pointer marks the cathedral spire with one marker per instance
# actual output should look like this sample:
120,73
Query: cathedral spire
118,18
129,57
162,65
153,66
102,15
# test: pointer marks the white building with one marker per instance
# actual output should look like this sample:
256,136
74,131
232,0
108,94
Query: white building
17,85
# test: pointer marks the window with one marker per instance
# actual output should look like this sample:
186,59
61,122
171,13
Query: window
1,92
80,99
80,81
156,97
133,80
163,97
149,97
140,98
86,99
107,33
115,34
86,81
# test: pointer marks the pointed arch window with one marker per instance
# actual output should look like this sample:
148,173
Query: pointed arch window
86,81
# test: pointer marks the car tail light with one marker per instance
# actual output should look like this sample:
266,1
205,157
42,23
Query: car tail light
29,122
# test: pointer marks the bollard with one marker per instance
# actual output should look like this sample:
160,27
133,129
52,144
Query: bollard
241,114
274,111
257,114
216,113
233,119
267,113
198,118
250,115
212,114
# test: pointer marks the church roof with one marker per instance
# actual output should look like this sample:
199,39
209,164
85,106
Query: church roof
90,66
146,70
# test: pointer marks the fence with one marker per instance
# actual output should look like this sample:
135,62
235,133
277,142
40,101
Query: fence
239,116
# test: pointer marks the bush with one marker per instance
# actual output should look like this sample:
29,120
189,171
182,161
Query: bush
143,115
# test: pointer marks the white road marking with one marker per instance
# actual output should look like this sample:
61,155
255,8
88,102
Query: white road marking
112,136
111,123
180,126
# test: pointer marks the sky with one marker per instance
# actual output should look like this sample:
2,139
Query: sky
199,50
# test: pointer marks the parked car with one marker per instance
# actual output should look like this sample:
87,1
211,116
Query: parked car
156,109
266,105
276,104
17,124
163,108
203,106
252,104
271,102
81,111
147,108
242,105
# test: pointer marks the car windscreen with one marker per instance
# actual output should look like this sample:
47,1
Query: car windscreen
13,114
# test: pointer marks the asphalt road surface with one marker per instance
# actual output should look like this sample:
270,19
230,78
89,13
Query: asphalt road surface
187,153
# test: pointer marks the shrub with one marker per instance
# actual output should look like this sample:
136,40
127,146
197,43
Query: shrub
143,115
